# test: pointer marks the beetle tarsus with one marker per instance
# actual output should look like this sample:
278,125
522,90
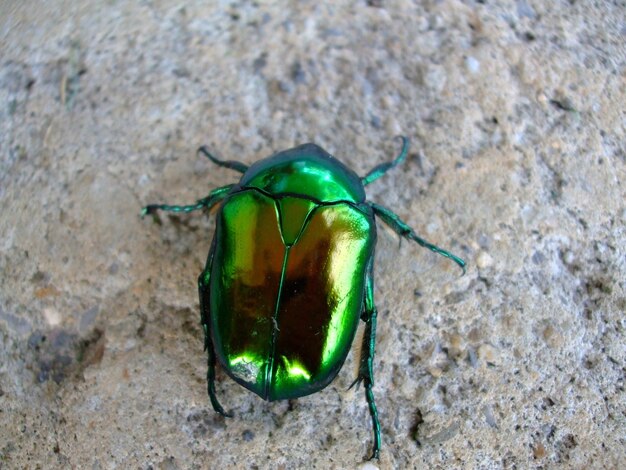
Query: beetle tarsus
219,410
382,168
374,414
217,407
149,210
356,382
366,368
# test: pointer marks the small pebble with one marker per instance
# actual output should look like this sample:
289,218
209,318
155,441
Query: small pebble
368,466
435,372
484,260
52,316
472,64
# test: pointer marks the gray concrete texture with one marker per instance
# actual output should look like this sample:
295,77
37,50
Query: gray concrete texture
516,112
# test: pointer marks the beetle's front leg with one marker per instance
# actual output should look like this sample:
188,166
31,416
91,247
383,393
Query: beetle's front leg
213,198
366,367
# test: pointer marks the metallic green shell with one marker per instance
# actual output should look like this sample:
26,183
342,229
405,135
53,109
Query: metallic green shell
307,171
288,274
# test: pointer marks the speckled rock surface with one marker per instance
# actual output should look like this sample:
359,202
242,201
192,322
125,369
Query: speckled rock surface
516,111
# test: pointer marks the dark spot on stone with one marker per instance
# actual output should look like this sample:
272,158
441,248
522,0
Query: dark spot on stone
564,446
297,73
456,297
281,86
546,403
529,36
538,257
201,421
613,360
472,357
40,276
65,354
44,372
569,441
375,3
59,368
247,435
418,421
141,330
564,104
181,72
90,350
35,339
260,62
549,431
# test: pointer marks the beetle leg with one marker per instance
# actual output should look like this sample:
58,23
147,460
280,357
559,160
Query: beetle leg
366,368
217,407
402,229
203,288
381,169
213,198
204,293
231,164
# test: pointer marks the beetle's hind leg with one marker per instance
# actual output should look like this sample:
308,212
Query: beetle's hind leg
203,289
366,367
230,164
210,377
402,229
213,198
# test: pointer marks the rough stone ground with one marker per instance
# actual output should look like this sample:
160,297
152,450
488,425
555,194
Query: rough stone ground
516,111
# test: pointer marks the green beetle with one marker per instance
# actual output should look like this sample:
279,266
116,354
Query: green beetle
290,273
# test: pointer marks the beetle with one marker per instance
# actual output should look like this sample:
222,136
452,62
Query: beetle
290,273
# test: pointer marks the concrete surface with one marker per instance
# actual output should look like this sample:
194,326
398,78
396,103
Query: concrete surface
516,111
